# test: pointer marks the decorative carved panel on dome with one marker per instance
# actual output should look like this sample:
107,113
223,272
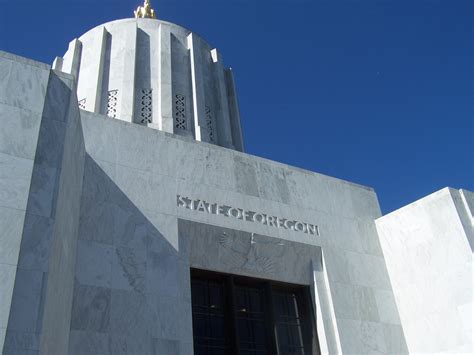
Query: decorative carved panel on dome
146,108
112,103
82,104
180,111
209,126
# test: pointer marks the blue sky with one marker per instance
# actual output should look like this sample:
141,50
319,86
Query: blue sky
378,92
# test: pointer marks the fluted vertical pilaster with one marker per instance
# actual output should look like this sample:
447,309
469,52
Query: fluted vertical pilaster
127,94
72,58
234,111
199,110
224,131
165,108
91,70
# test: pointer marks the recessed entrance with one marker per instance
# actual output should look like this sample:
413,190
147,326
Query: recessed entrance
246,316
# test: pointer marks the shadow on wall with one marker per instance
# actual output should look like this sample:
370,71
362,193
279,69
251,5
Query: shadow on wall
39,316
131,289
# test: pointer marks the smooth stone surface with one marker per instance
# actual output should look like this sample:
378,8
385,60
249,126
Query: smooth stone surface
91,309
23,85
15,178
7,279
18,136
433,285
36,243
94,264
26,301
11,229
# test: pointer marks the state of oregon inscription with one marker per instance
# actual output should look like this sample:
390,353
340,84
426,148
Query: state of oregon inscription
248,216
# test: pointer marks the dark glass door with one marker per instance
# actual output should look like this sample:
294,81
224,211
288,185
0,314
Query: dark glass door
243,316
288,323
250,318
209,317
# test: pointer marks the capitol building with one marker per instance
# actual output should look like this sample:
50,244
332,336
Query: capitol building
133,222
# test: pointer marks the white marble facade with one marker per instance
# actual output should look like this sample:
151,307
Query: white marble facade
96,248
428,251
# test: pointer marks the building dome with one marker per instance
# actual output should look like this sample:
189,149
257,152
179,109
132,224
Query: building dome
158,74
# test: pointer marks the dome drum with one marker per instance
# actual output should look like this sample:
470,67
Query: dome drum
157,74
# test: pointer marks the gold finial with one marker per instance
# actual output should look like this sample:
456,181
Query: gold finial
145,11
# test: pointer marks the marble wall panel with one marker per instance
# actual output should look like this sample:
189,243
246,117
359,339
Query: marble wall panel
135,147
20,352
341,236
165,346
18,136
91,309
368,270
52,133
23,85
368,238
11,228
124,345
94,264
305,191
27,301
58,96
23,60
218,164
364,202
354,302
43,191
129,267
145,190
163,272
97,138
174,317
36,243
272,183
7,279
86,343
130,315
394,339
162,232
337,267
359,337
188,163
15,178
245,176
2,337
21,340
387,307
